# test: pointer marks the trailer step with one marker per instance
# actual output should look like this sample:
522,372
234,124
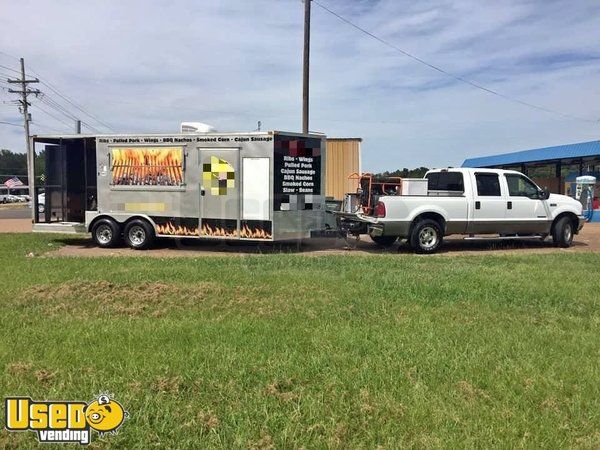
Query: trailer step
60,227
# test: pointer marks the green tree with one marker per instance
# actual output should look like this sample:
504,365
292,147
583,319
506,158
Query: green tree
405,173
15,164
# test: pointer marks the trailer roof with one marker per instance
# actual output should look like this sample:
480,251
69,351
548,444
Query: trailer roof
219,133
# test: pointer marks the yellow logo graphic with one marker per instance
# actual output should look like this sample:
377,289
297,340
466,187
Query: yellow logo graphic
63,421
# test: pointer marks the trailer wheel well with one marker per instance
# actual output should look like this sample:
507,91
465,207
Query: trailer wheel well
572,217
96,219
432,216
145,219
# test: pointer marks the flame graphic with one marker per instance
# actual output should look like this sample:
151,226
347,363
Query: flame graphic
147,166
256,233
212,231
207,230
176,230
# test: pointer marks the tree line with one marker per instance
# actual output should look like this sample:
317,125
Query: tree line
14,164
405,173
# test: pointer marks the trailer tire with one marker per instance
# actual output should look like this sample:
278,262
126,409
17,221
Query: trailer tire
426,236
139,234
384,241
106,233
562,232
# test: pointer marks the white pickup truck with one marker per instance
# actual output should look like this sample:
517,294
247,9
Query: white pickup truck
474,202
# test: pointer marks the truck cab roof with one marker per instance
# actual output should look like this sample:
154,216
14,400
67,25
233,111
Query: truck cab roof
471,170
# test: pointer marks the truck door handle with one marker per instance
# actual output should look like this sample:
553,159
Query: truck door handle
509,205
477,205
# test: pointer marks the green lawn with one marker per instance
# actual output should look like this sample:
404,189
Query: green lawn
286,351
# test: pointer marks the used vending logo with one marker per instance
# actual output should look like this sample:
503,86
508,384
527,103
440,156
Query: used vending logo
63,422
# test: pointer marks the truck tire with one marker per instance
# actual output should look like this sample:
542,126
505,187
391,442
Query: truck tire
562,233
139,234
426,236
106,233
384,241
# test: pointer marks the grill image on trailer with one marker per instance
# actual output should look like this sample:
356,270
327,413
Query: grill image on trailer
264,186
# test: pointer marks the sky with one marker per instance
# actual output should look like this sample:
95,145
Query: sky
146,66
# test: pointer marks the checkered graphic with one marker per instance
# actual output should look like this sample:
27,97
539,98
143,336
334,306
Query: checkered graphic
219,176
299,202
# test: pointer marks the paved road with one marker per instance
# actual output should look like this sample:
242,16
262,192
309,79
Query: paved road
15,213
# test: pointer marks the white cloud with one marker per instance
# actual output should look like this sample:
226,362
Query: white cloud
146,66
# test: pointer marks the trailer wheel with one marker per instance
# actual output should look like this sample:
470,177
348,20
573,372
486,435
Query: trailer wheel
106,233
562,233
426,236
138,234
384,241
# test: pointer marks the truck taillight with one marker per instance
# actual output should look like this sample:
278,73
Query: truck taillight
380,209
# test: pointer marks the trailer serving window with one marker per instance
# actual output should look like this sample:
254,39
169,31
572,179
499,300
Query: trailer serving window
147,166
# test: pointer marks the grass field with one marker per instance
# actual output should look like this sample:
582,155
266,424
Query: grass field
286,351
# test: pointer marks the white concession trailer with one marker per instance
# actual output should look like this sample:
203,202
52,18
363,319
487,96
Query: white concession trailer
260,186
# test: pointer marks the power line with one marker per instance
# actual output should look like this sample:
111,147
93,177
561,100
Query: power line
45,127
59,108
9,55
7,75
455,77
8,68
58,119
8,123
64,97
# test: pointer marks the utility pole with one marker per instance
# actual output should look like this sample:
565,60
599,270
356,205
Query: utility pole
25,91
305,73
78,126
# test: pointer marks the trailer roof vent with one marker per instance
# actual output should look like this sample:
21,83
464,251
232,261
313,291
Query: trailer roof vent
196,127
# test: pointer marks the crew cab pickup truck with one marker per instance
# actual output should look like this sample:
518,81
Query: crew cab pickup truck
474,202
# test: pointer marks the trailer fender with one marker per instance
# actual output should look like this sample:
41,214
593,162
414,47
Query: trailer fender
121,219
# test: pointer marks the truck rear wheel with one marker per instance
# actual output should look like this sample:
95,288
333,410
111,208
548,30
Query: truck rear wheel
138,234
384,241
562,233
426,236
106,233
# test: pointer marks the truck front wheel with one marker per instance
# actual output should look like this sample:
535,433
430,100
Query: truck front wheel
562,233
426,236
384,241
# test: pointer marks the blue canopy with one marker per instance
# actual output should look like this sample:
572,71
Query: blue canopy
569,151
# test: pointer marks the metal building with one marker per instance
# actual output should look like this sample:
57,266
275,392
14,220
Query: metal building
343,159
554,167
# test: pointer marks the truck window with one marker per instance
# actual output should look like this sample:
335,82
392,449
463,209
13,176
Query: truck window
519,186
445,181
488,184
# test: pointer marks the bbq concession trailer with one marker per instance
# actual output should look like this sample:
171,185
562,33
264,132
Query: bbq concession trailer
262,186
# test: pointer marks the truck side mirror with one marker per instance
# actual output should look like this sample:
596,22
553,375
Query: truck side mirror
544,193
